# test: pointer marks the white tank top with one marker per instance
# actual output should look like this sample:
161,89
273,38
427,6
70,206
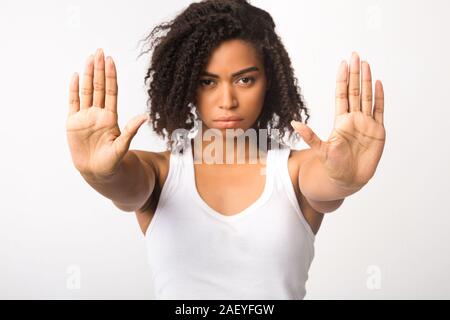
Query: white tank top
262,252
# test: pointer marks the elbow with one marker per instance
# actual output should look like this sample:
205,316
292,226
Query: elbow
326,206
125,207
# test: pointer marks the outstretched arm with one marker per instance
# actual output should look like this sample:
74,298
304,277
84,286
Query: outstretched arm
344,163
99,149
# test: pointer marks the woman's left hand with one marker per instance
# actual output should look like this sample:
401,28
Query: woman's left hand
353,150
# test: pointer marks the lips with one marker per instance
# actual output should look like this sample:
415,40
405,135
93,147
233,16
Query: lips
225,122
229,118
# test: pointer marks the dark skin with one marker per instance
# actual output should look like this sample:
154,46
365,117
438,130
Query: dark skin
222,94
100,150
245,193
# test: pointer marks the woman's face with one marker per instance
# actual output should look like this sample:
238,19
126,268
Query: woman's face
233,84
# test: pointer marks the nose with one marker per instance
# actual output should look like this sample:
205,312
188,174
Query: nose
228,99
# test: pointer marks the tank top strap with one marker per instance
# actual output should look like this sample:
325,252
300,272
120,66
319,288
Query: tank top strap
174,175
280,166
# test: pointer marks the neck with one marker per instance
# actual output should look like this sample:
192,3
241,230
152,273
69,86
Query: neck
214,149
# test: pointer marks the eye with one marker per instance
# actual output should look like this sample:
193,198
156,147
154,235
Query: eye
205,82
248,80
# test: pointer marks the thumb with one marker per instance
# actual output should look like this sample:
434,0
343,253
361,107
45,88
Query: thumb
131,128
308,135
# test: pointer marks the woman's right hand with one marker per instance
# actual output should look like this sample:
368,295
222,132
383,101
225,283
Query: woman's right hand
96,143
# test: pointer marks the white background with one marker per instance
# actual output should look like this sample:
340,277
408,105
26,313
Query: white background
388,241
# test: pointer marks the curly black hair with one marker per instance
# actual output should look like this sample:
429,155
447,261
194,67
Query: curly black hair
181,50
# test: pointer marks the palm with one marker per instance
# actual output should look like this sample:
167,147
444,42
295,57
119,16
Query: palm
96,143
355,145
354,148
92,132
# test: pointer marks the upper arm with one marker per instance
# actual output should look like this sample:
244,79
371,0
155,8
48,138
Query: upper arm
313,217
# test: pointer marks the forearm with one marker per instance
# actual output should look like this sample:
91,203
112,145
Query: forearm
130,187
317,186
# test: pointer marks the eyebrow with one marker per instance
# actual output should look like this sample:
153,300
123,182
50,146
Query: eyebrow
205,73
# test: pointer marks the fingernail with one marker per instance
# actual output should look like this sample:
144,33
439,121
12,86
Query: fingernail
90,59
99,54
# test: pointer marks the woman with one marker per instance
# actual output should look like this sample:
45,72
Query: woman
224,229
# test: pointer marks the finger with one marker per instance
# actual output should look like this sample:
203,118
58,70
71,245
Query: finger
353,84
86,92
74,97
366,94
99,79
341,89
307,135
122,143
378,110
111,86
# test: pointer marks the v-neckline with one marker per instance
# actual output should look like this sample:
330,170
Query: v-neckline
268,187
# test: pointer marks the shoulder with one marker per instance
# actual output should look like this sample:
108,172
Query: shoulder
151,157
158,161
298,157
295,160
